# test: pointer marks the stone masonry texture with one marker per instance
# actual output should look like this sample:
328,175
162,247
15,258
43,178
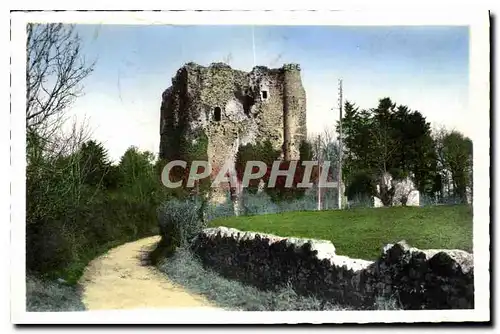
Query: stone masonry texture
417,279
233,108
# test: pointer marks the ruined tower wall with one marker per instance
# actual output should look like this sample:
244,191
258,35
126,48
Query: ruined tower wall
294,112
176,116
231,108
221,87
269,110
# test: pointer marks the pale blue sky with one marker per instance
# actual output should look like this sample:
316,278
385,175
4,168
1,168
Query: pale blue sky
425,68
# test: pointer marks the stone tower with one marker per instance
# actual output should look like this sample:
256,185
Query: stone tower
230,108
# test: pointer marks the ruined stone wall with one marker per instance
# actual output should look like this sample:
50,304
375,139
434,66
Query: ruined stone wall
294,102
180,116
418,279
232,108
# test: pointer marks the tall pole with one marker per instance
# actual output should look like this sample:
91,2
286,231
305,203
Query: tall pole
339,183
320,156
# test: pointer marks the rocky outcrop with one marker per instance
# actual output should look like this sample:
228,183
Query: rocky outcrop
418,279
404,192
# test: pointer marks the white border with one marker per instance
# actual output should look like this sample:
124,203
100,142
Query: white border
384,17
479,98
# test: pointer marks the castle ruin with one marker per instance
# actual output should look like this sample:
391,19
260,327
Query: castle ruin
231,108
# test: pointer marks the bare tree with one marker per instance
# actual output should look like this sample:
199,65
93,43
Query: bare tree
55,70
330,147
53,173
325,148
66,142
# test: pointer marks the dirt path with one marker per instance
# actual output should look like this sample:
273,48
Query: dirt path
119,280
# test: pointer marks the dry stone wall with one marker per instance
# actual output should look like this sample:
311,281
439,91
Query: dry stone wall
418,279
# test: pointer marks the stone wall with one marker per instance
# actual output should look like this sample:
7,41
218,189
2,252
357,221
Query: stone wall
418,279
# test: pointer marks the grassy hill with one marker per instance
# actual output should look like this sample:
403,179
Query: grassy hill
361,233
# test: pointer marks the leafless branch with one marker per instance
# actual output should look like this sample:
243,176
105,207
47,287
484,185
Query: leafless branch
384,145
54,72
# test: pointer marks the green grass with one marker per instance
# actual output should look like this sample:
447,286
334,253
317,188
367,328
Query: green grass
361,233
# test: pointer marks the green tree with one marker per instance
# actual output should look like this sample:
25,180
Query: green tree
135,164
416,154
455,152
137,174
94,163
356,140
389,139
305,151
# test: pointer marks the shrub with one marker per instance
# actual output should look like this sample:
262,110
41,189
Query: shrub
361,201
305,151
185,218
259,203
304,203
47,296
71,218
224,209
62,247
179,221
361,185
